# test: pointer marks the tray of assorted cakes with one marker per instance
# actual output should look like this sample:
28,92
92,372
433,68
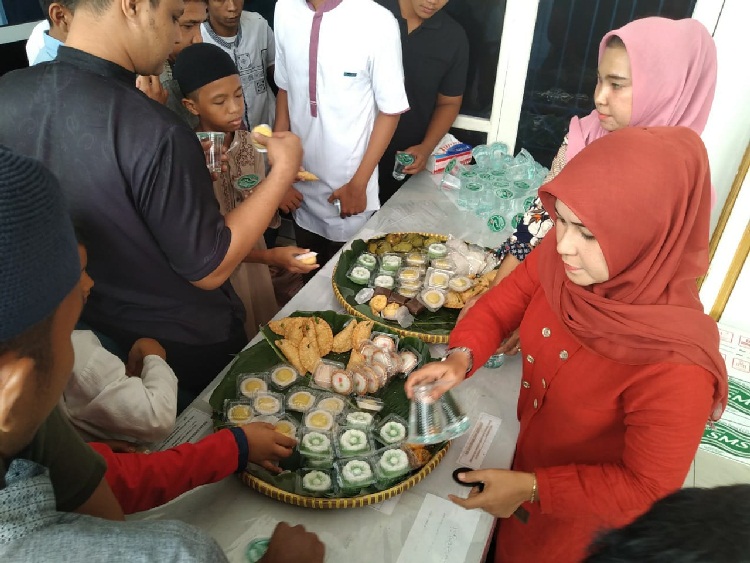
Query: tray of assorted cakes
336,384
413,283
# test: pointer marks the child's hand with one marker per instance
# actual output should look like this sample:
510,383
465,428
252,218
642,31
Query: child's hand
285,257
143,347
266,445
294,544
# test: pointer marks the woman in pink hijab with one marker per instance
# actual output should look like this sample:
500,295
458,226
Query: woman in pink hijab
652,72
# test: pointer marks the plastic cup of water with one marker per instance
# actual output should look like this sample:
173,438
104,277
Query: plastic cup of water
212,142
403,159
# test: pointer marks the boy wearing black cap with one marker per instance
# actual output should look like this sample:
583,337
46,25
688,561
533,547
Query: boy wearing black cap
211,82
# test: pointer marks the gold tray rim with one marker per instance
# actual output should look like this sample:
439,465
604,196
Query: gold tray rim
286,497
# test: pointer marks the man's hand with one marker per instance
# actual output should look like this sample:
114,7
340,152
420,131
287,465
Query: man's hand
143,347
266,445
353,198
285,257
294,544
284,155
151,86
292,200
420,154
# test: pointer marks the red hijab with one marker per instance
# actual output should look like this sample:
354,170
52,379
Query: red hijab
644,193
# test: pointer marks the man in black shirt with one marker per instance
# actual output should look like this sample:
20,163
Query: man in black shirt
137,185
435,52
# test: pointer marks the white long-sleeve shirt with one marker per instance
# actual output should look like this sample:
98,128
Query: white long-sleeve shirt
103,402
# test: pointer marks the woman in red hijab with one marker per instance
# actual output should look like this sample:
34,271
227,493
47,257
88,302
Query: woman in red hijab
621,367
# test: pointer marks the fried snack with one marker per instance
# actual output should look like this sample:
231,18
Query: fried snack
453,301
281,326
361,333
305,176
297,329
309,354
421,454
324,336
378,303
472,291
342,342
291,352
355,359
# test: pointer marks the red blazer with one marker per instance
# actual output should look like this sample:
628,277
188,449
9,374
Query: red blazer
143,481
605,439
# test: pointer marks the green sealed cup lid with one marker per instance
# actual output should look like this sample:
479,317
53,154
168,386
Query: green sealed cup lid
404,158
474,187
248,181
485,176
516,220
521,185
504,193
528,203
496,223
468,174
256,549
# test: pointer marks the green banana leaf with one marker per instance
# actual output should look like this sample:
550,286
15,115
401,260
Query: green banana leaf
264,355
441,322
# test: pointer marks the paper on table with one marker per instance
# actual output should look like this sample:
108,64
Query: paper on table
479,441
192,425
387,506
441,533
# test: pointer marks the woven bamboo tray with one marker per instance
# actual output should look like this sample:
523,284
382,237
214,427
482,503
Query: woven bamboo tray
350,502
424,336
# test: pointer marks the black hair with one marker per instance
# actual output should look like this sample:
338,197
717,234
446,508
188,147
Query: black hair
689,526
34,343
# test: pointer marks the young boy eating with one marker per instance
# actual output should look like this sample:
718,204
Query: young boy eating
213,89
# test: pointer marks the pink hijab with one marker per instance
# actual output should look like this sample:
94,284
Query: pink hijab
673,67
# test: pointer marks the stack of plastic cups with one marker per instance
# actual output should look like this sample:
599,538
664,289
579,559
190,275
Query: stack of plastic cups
451,180
482,156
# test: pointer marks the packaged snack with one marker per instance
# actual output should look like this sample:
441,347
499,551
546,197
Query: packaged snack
319,419
416,258
267,403
433,299
283,375
237,411
390,262
459,284
359,275
438,279
367,260
370,404
385,341
315,482
355,474
331,403
248,384
324,372
391,430
357,419
300,399
351,442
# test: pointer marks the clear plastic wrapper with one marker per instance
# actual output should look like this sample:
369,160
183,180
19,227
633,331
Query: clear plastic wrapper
248,384
238,411
416,258
357,419
391,262
369,404
355,474
403,317
287,426
319,419
315,482
268,403
331,402
315,443
437,250
364,295
433,299
406,291
341,382
391,430
385,341
386,281
353,442
460,284
359,275
409,274
323,373
368,260
301,399
392,463
282,376
438,279
444,263
410,360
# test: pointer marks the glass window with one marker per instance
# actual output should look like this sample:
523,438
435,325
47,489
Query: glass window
562,69
483,22
473,138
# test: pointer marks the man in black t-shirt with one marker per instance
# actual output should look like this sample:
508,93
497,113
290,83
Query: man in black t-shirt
137,184
436,56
